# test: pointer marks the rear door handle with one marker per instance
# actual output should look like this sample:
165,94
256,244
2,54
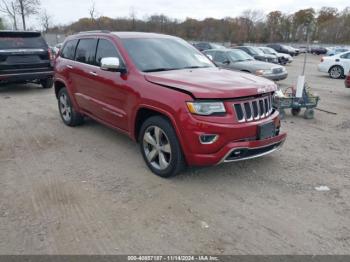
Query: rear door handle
93,73
70,67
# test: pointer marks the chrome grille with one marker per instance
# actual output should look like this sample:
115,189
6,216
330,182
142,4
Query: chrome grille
255,109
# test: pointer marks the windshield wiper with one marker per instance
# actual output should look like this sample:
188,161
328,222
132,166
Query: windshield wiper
159,70
194,67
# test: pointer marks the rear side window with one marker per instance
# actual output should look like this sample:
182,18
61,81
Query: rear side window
106,49
346,56
18,42
86,51
68,51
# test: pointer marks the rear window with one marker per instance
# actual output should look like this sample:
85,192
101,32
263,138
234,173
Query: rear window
18,42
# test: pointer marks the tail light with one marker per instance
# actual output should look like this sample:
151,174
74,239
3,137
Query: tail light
51,55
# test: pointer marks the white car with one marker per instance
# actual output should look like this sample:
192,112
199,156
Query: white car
336,66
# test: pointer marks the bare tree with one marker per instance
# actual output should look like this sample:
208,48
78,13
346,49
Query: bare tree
133,17
9,8
92,11
45,20
27,8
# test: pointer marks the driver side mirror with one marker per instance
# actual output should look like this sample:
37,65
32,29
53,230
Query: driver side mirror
226,62
112,64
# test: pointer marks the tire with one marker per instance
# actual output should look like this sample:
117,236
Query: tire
309,114
68,114
160,147
336,72
295,111
46,83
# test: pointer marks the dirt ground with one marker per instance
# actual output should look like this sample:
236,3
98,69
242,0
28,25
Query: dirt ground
86,190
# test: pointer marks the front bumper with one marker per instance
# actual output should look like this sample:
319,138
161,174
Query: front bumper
231,137
277,77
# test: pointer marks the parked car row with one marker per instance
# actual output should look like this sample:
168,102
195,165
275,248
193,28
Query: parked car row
260,61
236,59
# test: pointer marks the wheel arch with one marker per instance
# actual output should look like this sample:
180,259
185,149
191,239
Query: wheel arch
336,65
143,113
58,86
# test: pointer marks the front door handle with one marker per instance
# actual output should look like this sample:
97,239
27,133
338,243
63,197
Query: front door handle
70,67
93,73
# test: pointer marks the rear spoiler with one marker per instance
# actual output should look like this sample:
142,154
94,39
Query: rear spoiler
19,34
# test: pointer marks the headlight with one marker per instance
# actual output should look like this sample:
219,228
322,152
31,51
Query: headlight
206,108
264,72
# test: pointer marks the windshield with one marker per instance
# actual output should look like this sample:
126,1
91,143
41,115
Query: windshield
10,42
163,54
215,46
257,51
239,56
268,50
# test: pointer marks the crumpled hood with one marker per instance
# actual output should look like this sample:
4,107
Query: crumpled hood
212,83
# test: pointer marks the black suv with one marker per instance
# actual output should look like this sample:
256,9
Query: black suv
25,57
283,49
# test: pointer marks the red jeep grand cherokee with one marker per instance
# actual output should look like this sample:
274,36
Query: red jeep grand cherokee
347,81
169,97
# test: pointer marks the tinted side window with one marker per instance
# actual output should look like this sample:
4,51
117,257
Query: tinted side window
68,51
106,49
86,51
346,56
220,57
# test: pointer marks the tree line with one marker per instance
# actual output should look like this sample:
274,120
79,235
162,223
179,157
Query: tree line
326,25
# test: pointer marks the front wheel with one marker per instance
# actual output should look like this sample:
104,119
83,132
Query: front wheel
296,111
160,147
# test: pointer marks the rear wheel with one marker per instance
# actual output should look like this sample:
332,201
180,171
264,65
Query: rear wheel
336,72
160,147
68,114
46,83
309,114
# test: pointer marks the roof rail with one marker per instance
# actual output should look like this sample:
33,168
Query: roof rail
95,31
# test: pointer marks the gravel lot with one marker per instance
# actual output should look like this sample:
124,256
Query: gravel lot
86,190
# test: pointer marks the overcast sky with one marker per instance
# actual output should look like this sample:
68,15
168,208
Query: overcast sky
66,11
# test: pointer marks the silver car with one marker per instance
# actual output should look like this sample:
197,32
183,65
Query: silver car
239,60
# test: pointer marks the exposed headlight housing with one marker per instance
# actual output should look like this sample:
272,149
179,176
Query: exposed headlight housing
206,108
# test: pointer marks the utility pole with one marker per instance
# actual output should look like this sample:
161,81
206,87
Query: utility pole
22,14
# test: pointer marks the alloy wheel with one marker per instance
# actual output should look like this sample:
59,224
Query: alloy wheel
157,148
336,72
65,107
